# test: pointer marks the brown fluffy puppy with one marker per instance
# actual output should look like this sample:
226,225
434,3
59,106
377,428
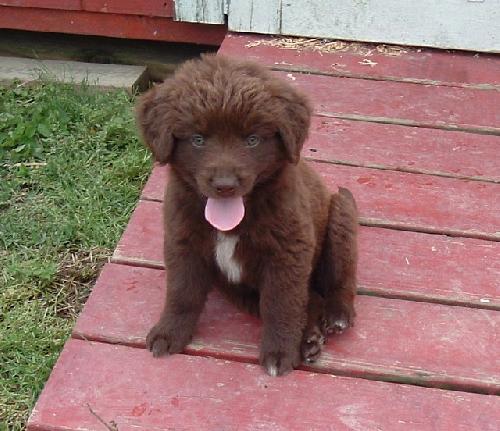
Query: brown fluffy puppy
284,247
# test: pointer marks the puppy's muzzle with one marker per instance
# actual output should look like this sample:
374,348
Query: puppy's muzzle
225,185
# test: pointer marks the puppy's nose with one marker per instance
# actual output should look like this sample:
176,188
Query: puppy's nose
225,186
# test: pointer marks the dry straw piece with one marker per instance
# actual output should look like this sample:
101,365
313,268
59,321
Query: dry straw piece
324,46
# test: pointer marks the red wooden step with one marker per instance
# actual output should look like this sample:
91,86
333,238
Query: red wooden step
407,201
392,263
401,103
436,345
122,25
426,66
127,389
410,149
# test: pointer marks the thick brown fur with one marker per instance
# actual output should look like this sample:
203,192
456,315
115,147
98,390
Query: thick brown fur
296,245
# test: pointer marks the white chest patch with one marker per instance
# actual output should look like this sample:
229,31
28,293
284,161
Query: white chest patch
224,256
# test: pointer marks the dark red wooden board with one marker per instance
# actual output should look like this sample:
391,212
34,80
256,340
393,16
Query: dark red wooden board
426,65
393,263
112,25
195,393
435,345
413,149
163,8
404,200
423,105
44,4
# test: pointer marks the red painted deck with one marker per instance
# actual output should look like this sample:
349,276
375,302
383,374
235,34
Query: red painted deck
415,137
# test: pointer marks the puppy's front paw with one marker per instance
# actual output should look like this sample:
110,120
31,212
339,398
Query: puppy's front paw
279,363
162,340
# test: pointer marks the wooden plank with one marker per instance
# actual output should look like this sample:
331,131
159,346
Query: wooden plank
202,11
406,201
393,21
112,25
435,344
128,389
44,4
164,8
401,103
395,264
408,149
383,146
425,66
142,242
259,16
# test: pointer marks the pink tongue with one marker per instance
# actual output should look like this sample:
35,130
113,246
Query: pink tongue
225,213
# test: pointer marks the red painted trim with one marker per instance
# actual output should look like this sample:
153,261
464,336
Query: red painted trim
162,8
112,25
44,4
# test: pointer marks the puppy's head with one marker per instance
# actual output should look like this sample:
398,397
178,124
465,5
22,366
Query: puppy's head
224,125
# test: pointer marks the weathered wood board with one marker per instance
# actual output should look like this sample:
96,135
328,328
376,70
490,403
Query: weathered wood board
123,25
449,108
425,66
424,23
392,263
87,388
205,11
435,344
402,200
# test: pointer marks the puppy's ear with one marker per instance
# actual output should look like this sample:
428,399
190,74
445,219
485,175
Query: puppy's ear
294,122
153,119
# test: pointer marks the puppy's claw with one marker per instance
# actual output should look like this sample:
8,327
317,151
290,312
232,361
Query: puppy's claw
337,323
279,363
272,370
338,326
312,344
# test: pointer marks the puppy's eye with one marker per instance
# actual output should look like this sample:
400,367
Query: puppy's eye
197,141
253,141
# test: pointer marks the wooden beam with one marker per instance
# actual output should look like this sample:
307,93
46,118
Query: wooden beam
112,25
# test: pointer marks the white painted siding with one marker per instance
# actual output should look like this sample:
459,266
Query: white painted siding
257,16
457,24
207,11
460,24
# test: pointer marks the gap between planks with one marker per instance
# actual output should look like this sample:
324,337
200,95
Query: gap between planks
373,222
424,378
433,299
406,170
419,81
410,227
479,130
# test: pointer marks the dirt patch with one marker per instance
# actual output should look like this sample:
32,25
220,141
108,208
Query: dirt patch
77,272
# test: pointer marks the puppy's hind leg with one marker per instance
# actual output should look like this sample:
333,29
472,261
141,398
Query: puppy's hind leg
336,271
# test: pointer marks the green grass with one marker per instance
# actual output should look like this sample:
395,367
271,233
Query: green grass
71,170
